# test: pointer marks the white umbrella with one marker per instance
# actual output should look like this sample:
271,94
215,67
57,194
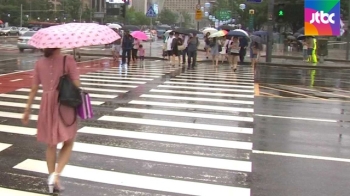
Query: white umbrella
210,30
114,26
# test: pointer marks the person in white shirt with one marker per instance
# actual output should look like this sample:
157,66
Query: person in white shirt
185,51
169,46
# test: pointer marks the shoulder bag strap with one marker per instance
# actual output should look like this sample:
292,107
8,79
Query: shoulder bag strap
64,64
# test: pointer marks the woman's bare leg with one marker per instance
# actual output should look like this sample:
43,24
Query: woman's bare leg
51,158
63,157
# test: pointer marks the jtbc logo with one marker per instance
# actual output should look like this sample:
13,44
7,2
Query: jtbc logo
316,17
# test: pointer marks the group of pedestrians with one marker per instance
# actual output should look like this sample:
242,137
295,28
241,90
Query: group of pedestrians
232,49
130,48
185,46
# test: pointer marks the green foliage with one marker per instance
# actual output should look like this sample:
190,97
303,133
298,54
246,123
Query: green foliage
186,19
168,17
74,9
136,18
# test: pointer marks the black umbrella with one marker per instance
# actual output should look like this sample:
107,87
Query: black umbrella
302,37
131,28
301,30
226,27
186,31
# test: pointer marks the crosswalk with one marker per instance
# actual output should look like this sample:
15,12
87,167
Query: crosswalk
8,47
188,134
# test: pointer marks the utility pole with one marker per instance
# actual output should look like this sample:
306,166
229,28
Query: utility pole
348,37
21,20
270,31
199,2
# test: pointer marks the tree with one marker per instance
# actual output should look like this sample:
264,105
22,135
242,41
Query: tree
186,19
73,8
86,15
43,9
136,18
168,17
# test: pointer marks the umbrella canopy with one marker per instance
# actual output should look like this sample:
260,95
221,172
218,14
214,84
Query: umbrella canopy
1,22
220,33
131,28
260,33
187,31
114,26
291,37
226,27
255,38
139,35
166,34
238,33
209,30
302,37
73,35
301,31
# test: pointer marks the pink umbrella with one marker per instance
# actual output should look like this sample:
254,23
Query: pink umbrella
139,35
73,35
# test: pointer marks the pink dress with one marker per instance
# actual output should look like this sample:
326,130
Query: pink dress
141,52
47,72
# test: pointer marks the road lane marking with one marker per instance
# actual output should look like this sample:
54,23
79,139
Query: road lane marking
175,124
302,156
206,88
198,99
4,146
17,130
136,181
256,89
39,98
193,106
201,93
185,114
15,80
11,192
291,92
297,118
167,138
211,85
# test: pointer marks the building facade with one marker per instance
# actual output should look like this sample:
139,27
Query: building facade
177,6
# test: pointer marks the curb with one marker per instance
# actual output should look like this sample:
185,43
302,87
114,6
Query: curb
298,58
245,63
319,66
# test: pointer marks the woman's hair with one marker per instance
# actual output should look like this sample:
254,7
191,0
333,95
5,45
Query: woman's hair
140,46
48,52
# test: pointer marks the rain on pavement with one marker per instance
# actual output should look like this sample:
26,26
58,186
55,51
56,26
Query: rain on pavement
284,132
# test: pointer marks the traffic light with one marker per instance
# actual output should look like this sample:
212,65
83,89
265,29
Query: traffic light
123,10
280,13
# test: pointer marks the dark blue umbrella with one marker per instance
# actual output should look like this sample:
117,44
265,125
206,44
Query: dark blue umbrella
260,33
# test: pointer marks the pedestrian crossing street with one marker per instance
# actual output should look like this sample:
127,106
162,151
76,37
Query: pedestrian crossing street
187,134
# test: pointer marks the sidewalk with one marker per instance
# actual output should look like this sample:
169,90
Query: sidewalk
288,59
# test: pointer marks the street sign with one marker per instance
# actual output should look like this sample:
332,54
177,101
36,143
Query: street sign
223,14
199,14
151,13
255,1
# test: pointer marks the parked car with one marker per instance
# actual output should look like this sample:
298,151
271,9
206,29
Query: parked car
22,43
23,30
9,31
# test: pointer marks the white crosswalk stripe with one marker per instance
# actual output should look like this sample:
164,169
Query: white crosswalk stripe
8,47
189,135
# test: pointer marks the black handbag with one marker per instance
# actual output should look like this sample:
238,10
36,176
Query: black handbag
68,94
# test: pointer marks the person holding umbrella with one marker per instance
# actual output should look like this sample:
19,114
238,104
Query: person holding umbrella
192,47
234,52
127,46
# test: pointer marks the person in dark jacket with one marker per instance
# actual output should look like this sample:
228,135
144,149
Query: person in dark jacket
127,45
192,47
243,44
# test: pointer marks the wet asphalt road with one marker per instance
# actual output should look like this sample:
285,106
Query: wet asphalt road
158,129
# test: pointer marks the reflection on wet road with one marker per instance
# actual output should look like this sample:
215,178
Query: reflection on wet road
301,137
323,84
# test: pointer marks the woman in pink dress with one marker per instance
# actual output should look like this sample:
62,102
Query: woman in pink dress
51,128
